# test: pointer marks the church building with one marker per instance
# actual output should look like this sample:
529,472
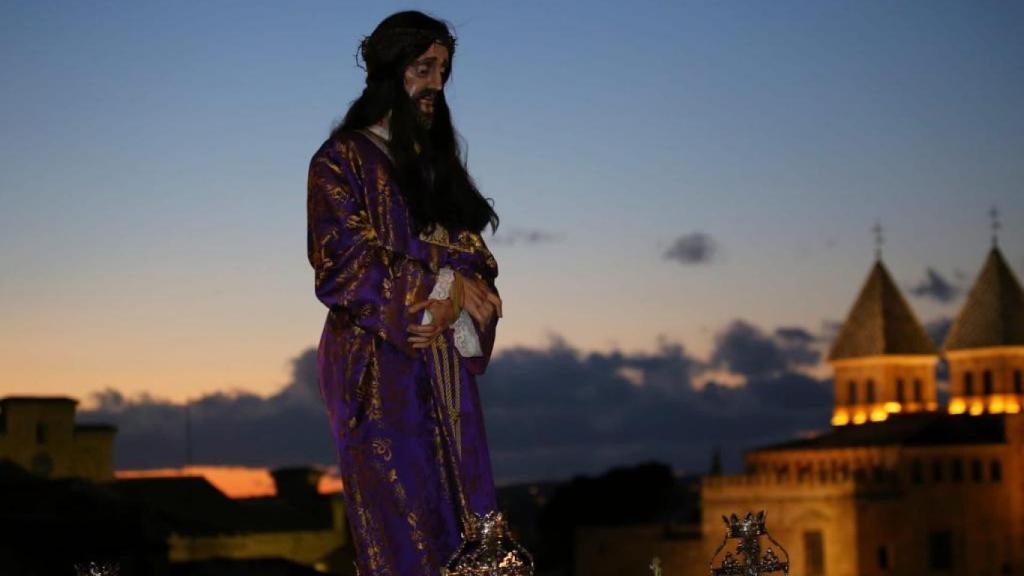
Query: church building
902,484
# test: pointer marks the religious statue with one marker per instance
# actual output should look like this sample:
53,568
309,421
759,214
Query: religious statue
395,227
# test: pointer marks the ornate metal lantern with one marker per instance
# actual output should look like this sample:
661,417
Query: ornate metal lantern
747,560
97,569
487,549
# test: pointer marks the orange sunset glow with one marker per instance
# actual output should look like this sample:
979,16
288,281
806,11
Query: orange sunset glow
233,481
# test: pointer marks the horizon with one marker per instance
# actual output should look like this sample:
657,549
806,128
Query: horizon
693,206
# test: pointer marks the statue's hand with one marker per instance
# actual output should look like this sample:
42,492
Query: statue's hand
480,301
442,315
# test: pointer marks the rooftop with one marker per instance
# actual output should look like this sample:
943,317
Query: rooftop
919,429
880,322
993,314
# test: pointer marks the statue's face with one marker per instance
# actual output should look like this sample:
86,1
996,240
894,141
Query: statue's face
424,79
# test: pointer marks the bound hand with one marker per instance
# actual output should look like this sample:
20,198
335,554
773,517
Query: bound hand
442,315
480,301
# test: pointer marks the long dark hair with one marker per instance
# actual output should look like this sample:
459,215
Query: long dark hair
435,183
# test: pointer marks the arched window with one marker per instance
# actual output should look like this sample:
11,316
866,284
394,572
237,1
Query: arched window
1018,382
917,471
986,381
940,551
968,383
917,390
870,393
900,392
782,472
937,470
977,472
803,471
851,392
996,471
814,553
883,558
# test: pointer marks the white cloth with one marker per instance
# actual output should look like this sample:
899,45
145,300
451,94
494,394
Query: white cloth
466,339
380,131
467,342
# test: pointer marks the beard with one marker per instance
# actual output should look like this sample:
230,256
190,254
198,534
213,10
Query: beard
412,132
424,119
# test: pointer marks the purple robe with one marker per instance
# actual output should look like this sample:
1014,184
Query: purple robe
411,464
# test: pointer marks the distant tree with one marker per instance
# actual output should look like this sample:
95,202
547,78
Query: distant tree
628,495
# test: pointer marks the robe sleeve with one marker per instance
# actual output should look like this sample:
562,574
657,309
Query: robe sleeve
478,364
354,271
474,260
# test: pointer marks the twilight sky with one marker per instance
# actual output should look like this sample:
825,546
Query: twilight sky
661,169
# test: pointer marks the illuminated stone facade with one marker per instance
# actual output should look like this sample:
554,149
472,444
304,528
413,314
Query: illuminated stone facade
40,435
900,485
985,345
882,359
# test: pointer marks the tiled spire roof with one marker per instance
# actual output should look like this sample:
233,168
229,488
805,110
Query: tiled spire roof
993,314
880,322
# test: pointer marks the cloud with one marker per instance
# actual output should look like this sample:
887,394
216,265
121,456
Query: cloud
524,236
286,428
554,412
744,349
557,411
695,248
551,411
830,330
935,286
798,346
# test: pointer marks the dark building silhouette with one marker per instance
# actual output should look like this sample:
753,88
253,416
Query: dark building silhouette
61,506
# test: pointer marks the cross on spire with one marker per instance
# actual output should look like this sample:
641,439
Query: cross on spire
879,239
994,215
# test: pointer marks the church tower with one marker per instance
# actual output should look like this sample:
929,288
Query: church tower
883,360
985,344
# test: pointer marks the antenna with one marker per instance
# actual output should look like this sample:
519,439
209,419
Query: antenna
188,433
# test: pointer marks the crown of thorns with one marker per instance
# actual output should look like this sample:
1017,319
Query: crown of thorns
383,46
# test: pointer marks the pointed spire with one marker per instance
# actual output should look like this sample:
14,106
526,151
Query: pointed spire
880,322
993,314
994,215
879,239
716,462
